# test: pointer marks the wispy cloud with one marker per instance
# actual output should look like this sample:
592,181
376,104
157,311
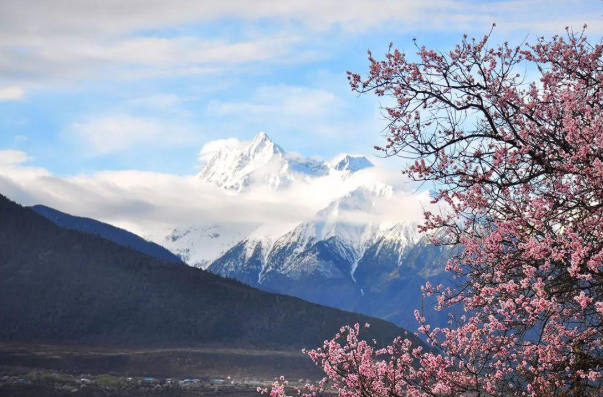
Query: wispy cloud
281,101
285,108
211,148
66,39
11,94
52,59
61,17
13,157
161,101
116,133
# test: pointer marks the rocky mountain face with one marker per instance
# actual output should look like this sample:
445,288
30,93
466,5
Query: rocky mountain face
341,257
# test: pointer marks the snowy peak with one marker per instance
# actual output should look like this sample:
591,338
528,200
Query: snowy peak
263,148
264,162
351,163
235,169
260,162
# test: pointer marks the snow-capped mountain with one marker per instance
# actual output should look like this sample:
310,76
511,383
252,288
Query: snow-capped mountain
344,256
199,245
265,162
262,162
351,163
331,259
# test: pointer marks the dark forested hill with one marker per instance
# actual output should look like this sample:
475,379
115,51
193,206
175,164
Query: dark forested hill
115,234
60,285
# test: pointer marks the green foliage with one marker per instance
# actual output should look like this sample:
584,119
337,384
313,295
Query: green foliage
63,379
106,381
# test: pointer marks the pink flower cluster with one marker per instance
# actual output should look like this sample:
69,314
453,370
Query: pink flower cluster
518,163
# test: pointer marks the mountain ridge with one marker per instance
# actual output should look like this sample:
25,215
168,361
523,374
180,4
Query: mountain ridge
264,161
109,232
63,286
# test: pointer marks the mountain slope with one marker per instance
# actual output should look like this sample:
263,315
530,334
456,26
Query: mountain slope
335,260
198,245
112,233
59,285
386,283
393,292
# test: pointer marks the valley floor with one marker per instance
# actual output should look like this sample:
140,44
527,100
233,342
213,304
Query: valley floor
43,390
42,370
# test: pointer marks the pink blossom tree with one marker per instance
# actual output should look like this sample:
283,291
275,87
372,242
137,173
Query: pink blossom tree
513,139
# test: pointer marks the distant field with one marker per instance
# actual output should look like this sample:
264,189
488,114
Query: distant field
163,363
43,391
50,370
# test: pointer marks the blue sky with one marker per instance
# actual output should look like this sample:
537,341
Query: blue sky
87,86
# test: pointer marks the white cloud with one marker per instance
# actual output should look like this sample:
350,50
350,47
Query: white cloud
282,101
79,56
158,51
151,203
44,40
11,94
212,147
108,134
122,16
285,108
13,157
